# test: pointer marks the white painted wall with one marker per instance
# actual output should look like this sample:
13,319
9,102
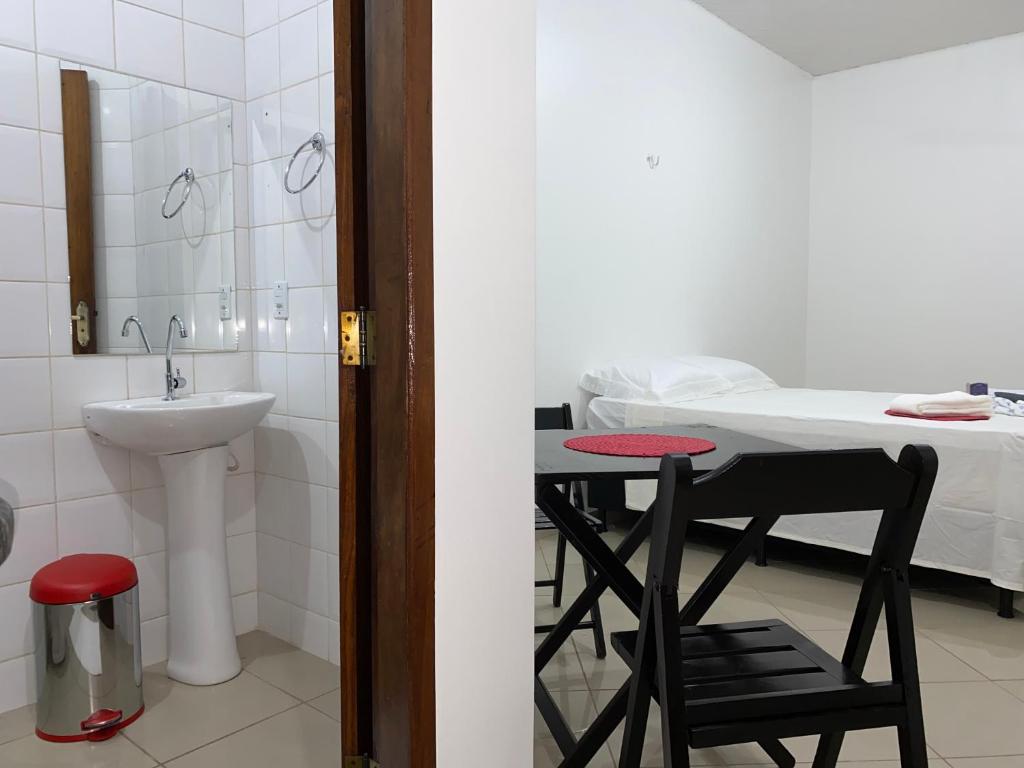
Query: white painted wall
917,232
706,253
484,207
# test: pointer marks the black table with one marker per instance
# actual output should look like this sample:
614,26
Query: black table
554,465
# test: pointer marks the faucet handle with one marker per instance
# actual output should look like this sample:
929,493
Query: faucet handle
179,381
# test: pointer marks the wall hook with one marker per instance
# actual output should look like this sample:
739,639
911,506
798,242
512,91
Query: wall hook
653,161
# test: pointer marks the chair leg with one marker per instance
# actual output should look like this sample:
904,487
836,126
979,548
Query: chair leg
556,598
761,553
595,616
913,752
827,753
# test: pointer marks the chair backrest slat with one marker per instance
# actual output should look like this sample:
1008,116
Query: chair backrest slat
805,482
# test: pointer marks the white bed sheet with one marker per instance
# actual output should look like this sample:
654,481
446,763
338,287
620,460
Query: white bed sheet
975,521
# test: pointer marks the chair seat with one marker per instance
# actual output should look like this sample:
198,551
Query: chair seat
763,670
542,523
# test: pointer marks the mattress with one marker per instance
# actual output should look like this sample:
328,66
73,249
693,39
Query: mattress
975,520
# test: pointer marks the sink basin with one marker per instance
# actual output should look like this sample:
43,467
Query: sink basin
189,436
190,423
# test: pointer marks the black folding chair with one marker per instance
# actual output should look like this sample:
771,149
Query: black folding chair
761,681
561,418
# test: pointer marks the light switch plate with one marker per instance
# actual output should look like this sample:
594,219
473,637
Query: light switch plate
224,302
279,299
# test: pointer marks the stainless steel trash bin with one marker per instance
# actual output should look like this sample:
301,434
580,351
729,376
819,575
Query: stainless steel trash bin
88,654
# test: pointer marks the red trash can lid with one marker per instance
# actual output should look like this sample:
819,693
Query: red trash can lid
80,578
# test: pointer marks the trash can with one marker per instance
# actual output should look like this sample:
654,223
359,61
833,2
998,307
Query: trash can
88,654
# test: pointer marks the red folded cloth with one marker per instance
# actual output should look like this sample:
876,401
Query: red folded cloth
939,417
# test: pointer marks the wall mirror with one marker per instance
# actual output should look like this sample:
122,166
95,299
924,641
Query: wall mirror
151,224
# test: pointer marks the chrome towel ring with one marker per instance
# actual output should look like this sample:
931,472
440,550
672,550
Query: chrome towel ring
318,143
189,177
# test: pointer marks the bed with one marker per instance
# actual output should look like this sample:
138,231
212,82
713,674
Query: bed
975,522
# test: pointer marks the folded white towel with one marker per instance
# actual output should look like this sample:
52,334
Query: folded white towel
952,403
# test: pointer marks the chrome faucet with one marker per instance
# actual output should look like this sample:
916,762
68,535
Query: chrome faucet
177,381
142,331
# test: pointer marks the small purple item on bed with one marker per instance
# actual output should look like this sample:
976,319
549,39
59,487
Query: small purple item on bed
978,388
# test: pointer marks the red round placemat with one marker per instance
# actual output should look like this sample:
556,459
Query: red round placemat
645,445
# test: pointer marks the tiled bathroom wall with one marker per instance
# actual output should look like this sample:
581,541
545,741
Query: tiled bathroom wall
289,90
70,493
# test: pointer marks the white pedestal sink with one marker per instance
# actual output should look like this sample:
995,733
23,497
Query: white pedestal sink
189,436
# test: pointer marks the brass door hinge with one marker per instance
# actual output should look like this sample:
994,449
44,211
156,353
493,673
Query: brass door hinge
358,338
360,762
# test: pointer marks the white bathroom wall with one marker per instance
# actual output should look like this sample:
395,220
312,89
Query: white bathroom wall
290,91
705,253
70,493
916,226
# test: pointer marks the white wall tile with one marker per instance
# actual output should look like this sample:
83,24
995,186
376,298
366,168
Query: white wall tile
264,127
309,632
172,7
240,504
58,309
275,615
23,306
306,382
85,379
244,610
17,682
26,469
334,643
25,405
34,546
271,375
242,563
80,30
266,188
52,148
325,31
85,467
309,578
112,168
262,63
96,524
214,61
149,521
19,106
225,15
145,471
154,641
111,115
220,372
333,517
21,181
55,222
259,14
16,608
21,232
19,26
331,452
152,570
334,587
303,253
309,454
274,573
306,320
299,60
149,44
288,8
50,116
300,119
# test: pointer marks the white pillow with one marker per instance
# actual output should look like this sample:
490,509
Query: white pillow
654,379
743,376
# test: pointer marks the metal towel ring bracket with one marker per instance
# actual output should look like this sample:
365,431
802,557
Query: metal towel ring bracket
317,142
189,176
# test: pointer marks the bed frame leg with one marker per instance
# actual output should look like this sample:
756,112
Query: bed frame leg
1006,603
761,553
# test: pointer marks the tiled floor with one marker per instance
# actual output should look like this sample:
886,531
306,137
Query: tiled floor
283,710
971,661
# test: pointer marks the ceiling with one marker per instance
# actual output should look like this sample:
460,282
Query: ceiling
822,36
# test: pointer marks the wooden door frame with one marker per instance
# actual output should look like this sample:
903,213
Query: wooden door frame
386,437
